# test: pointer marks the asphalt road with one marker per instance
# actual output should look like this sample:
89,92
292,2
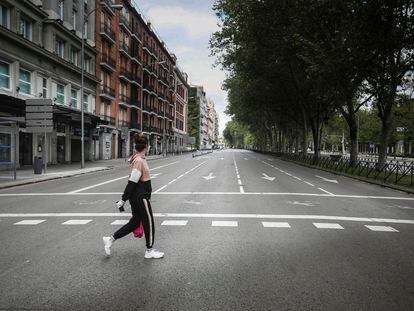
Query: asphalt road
240,231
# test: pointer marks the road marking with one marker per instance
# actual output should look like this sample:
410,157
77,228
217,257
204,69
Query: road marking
120,222
182,175
239,181
275,224
202,215
210,176
301,203
115,179
174,223
324,225
297,178
77,222
382,228
192,202
325,191
265,176
224,223
328,180
30,222
152,176
308,183
238,176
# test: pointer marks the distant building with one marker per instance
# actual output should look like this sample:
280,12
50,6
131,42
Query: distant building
181,111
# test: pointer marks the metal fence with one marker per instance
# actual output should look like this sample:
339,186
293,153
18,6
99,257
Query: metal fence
396,172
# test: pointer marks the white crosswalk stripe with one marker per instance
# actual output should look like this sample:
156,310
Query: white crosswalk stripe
224,223
382,228
174,223
324,225
275,224
77,222
120,222
30,222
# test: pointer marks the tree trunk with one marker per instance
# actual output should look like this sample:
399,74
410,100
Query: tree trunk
316,142
353,135
386,130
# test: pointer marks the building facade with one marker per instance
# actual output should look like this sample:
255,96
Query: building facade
40,58
181,111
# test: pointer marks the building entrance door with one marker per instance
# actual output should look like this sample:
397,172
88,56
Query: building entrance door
25,148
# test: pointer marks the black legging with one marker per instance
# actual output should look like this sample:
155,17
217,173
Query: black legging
141,212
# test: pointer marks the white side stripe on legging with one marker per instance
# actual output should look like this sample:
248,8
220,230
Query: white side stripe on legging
150,222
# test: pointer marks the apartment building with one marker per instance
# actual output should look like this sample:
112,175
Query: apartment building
40,58
181,111
136,92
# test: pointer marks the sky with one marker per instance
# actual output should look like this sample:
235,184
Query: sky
186,27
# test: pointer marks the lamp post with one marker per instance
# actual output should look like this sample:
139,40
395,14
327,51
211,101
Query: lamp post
84,20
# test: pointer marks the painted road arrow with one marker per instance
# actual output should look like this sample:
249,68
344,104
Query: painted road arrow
268,177
328,180
210,176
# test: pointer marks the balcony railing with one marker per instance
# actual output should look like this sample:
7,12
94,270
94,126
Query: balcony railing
149,88
124,21
125,48
136,35
125,74
123,123
107,32
107,4
108,119
108,62
107,91
136,102
135,125
125,99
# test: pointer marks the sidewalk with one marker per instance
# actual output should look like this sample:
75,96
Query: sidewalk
26,175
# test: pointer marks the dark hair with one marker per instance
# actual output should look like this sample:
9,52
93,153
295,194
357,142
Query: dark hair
141,141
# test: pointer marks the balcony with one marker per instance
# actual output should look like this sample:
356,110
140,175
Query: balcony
125,49
149,88
123,123
135,125
106,4
163,81
125,74
124,99
108,62
146,108
135,35
136,57
124,22
149,49
136,102
107,119
107,32
107,91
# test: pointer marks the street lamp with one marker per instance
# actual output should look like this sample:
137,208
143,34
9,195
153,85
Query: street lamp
84,20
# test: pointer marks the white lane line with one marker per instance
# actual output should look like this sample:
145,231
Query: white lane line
174,180
30,222
325,225
382,228
215,193
97,185
77,222
119,222
239,181
325,191
308,183
241,189
115,179
297,178
174,223
275,224
201,215
224,223
238,176
288,174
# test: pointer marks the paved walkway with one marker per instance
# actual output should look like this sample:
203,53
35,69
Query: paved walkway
26,175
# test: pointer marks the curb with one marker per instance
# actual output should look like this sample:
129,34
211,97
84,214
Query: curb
47,178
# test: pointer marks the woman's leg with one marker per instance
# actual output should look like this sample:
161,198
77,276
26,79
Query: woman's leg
147,222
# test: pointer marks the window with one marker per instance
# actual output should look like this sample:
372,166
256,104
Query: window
87,64
4,16
85,29
74,18
73,98
4,75
24,81
74,56
61,9
60,47
44,87
5,153
60,94
25,28
85,102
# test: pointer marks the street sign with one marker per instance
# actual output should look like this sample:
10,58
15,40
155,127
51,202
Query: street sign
38,102
44,122
39,129
39,116
39,108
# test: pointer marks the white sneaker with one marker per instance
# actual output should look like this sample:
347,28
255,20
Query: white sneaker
152,253
108,241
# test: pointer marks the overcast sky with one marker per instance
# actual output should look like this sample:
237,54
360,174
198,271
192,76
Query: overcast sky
186,27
